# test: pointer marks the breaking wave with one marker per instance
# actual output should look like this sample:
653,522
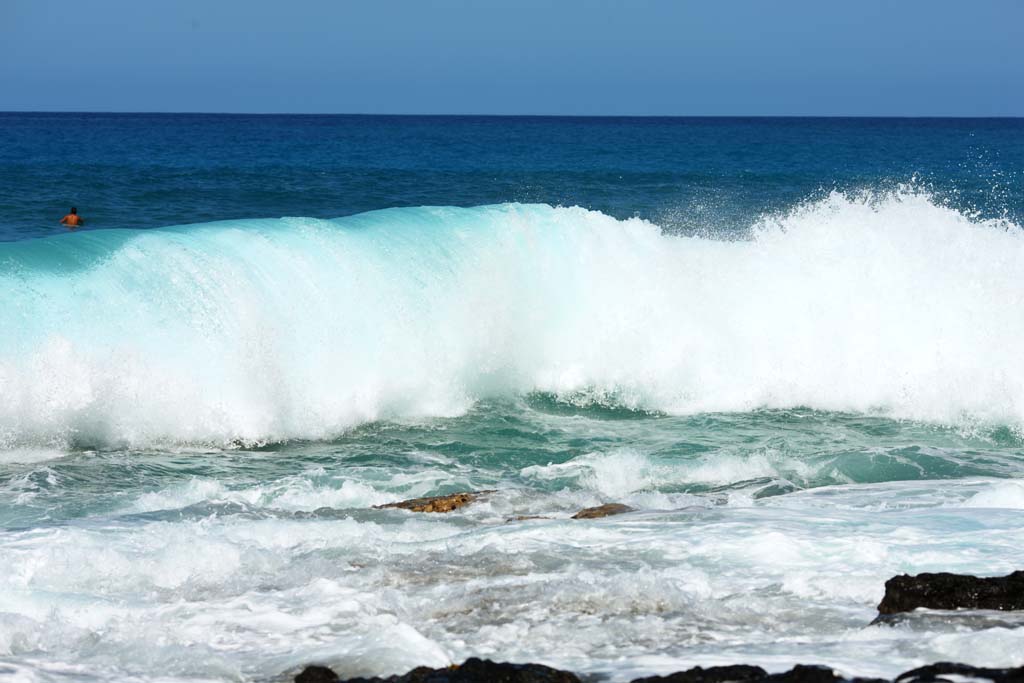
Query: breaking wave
267,330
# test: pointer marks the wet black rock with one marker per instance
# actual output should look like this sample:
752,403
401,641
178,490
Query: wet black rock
802,673
475,670
742,673
316,674
952,591
712,674
485,671
947,672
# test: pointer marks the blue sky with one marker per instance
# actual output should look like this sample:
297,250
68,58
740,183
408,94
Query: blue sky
600,57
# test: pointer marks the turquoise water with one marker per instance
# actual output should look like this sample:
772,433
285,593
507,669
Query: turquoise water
799,366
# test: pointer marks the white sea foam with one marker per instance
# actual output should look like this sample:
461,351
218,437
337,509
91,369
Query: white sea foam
232,597
1006,494
299,328
292,494
629,476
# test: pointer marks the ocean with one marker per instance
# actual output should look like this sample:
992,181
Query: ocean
792,346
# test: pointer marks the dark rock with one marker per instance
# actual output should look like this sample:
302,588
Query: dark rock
447,503
802,673
606,510
712,674
742,673
411,676
316,674
936,673
952,591
475,670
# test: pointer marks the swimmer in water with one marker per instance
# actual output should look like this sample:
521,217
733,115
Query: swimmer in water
72,220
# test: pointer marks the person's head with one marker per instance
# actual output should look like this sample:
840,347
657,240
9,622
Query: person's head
74,211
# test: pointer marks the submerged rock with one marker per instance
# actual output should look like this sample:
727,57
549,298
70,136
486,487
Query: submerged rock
952,591
946,672
452,501
606,510
475,670
946,620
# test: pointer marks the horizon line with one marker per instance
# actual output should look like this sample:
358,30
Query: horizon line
492,115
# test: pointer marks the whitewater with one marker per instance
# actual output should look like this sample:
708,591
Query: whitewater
196,423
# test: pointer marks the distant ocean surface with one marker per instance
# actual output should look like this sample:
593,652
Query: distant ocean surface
149,170
793,346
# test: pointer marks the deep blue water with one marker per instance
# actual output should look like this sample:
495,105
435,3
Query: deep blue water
148,170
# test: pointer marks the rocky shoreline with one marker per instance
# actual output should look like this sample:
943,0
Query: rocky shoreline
475,670
903,594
